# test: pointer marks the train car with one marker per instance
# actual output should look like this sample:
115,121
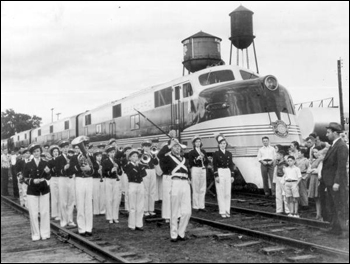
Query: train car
52,133
226,99
21,139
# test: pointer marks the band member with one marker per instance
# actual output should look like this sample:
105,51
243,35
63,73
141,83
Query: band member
37,176
125,182
118,151
5,167
22,186
149,181
180,188
99,190
198,162
13,161
110,171
101,148
54,168
223,172
66,191
82,167
135,172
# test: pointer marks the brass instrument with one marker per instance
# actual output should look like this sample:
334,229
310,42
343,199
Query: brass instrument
154,151
201,155
120,149
145,158
83,159
100,171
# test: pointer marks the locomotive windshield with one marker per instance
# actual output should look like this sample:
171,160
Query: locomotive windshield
216,77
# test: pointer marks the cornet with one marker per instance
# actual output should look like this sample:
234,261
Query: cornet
145,158
154,151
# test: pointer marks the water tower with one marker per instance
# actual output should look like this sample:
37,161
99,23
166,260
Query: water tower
242,33
200,51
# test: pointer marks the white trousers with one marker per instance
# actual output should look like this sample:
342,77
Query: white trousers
55,207
136,204
199,186
22,189
113,197
281,197
99,196
180,206
40,204
66,194
125,190
84,204
149,182
159,183
166,204
223,191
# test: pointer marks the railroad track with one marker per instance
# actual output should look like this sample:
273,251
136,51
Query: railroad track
95,247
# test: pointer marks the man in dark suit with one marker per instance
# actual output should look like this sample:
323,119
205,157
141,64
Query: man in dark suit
334,180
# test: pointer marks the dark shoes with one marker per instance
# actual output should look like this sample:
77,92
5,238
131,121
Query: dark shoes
182,238
82,234
173,240
139,228
88,233
203,210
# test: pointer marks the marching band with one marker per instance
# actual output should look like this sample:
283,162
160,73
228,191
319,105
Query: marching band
71,174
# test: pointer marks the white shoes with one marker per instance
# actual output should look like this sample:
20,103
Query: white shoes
223,216
72,224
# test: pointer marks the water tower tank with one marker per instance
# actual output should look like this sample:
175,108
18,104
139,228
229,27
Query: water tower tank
200,51
242,27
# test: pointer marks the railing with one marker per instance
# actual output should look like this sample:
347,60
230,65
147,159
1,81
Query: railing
322,103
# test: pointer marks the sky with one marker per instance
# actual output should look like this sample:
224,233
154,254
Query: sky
75,56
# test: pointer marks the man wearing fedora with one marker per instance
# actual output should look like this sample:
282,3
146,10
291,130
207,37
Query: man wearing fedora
198,162
334,180
37,176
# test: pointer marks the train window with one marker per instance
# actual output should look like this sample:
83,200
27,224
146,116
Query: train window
98,129
51,129
187,90
135,122
88,120
66,125
177,92
25,136
247,75
39,132
216,77
162,97
112,128
117,111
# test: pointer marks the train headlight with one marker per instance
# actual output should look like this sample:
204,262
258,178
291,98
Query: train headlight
271,82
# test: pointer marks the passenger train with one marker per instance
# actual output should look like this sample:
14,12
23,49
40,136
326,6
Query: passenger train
226,99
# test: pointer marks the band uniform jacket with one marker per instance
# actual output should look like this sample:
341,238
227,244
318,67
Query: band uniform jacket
135,173
221,160
169,164
31,172
54,168
107,166
192,158
75,168
61,163
334,165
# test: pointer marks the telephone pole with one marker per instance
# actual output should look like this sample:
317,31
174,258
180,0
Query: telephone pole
341,105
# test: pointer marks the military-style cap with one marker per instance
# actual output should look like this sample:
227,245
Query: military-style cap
335,127
146,143
71,151
46,146
219,138
25,150
111,141
195,138
109,149
98,152
52,148
35,146
101,145
178,143
127,147
133,151
63,143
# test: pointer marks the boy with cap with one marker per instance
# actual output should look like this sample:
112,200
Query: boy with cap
54,169
198,162
135,172
66,188
180,194
149,180
37,176
281,201
22,186
223,173
110,171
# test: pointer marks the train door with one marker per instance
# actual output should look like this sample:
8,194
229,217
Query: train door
177,113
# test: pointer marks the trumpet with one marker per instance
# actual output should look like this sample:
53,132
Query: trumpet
145,158
201,157
100,172
120,149
154,151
